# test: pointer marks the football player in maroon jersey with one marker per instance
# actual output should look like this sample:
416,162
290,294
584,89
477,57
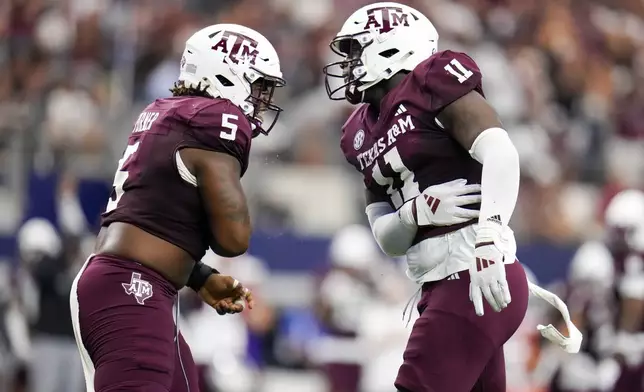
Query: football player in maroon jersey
624,220
432,150
176,192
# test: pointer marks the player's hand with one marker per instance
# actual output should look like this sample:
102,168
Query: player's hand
441,205
225,294
487,270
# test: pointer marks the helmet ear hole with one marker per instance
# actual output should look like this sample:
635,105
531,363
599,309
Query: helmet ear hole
388,53
224,81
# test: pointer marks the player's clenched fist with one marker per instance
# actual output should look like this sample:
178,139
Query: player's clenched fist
442,205
487,270
225,294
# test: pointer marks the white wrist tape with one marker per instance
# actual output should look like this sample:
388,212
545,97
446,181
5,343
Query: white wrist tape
406,213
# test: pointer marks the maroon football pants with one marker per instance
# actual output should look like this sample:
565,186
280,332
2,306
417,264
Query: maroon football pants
125,329
451,348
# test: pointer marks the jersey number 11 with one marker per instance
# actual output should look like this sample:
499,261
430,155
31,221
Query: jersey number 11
398,193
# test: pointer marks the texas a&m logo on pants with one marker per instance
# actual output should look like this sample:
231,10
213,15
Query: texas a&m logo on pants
238,47
139,288
390,17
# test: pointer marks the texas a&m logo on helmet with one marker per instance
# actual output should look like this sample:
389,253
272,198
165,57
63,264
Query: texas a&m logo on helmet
237,47
384,19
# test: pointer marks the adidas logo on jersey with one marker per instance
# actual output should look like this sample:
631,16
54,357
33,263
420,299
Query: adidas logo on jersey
401,110
495,219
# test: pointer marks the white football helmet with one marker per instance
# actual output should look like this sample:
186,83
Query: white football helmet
354,247
376,42
225,60
38,236
626,209
625,217
592,263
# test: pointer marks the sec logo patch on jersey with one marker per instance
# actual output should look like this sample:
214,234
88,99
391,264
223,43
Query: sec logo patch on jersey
358,139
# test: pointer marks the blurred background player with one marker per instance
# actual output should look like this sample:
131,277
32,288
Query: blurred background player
176,193
358,304
604,292
589,292
49,261
344,293
15,345
344,296
625,241
424,122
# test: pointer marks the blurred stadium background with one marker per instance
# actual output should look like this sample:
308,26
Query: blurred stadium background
567,77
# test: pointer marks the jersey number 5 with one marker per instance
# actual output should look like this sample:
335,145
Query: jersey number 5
226,123
398,193
461,73
120,177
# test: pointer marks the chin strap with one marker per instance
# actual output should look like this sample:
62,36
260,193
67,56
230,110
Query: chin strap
570,344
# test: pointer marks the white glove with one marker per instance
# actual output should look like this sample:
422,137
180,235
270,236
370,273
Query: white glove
440,205
570,344
487,270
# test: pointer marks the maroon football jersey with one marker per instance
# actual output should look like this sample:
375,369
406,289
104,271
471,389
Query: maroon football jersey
148,190
404,149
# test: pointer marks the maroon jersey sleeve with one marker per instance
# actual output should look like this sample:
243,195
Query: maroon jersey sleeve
446,77
220,126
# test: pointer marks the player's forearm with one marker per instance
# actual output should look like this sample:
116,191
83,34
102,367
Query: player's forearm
500,178
392,235
230,220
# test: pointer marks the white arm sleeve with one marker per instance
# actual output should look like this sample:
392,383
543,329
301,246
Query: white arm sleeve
392,235
500,178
